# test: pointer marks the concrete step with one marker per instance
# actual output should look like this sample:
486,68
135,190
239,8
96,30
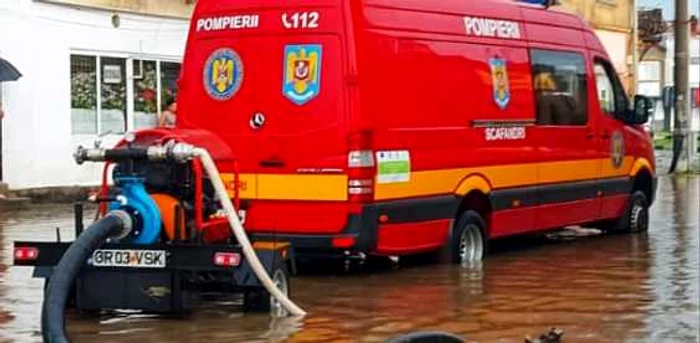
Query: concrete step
4,189
12,204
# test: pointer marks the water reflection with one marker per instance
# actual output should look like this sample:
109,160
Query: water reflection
674,266
617,288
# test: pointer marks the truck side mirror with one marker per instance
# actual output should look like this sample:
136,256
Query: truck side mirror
643,107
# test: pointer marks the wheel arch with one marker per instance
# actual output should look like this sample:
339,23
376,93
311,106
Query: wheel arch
644,181
474,192
643,178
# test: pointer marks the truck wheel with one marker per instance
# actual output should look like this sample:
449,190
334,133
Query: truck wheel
635,219
260,300
467,243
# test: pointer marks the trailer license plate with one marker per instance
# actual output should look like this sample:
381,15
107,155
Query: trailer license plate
129,258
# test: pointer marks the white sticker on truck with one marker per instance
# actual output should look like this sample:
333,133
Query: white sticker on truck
393,166
483,27
300,20
232,22
128,258
505,133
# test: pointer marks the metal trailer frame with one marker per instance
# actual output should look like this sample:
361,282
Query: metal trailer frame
189,270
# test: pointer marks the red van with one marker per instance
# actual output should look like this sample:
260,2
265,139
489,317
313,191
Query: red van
394,127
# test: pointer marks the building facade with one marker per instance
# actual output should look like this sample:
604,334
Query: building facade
93,69
656,76
694,75
613,23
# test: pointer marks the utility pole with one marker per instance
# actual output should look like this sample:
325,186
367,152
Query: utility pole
634,87
681,76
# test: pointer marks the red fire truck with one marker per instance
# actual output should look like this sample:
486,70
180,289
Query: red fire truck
395,127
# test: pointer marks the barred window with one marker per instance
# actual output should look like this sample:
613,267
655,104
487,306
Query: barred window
113,95
83,75
145,94
99,94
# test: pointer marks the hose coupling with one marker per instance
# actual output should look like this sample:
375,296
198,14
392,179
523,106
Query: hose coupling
127,224
180,152
82,154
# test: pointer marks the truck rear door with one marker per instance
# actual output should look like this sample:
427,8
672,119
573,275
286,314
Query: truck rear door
269,82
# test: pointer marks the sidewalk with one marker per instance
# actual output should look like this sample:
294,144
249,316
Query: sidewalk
663,162
10,202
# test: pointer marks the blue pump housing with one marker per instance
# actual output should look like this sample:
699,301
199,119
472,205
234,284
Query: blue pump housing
147,218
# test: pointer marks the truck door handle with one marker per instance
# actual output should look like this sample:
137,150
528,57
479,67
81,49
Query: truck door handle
605,135
271,163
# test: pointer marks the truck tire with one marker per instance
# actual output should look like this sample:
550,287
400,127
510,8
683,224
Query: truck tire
635,219
260,300
467,244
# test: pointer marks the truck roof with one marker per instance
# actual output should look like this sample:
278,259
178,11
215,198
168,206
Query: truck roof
537,20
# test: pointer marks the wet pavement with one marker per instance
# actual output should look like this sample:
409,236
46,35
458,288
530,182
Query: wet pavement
598,288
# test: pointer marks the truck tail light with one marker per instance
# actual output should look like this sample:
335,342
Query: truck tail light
361,168
343,242
361,159
227,259
26,254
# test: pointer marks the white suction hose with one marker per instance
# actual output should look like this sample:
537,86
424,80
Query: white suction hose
239,232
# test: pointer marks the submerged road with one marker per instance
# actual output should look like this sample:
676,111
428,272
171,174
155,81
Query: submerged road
598,288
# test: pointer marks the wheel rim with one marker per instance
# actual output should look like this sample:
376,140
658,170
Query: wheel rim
639,221
280,280
471,245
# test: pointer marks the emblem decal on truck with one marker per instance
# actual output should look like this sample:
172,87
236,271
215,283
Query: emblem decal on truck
501,84
617,149
223,74
302,72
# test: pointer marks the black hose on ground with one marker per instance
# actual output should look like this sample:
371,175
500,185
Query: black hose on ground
53,323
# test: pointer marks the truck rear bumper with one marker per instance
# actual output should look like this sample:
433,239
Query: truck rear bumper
362,231
360,234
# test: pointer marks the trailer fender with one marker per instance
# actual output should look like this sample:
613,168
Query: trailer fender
268,253
42,272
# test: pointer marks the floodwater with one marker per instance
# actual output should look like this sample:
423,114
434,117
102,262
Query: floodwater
597,288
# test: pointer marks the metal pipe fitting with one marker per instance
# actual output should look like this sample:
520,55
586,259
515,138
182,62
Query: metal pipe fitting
126,221
83,154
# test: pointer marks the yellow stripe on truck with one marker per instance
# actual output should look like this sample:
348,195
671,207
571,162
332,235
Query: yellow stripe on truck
425,183
249,185
289,187
449,181
303,187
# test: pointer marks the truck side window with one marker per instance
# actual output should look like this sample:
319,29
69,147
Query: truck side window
611,95
560,87
606,91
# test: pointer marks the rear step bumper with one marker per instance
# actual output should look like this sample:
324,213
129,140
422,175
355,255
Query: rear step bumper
361,233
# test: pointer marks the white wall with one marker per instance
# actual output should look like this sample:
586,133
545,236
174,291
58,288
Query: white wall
38,39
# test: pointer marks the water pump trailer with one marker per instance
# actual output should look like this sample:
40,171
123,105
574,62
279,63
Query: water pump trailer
162,237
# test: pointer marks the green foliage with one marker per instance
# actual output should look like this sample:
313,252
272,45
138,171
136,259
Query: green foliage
84,90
